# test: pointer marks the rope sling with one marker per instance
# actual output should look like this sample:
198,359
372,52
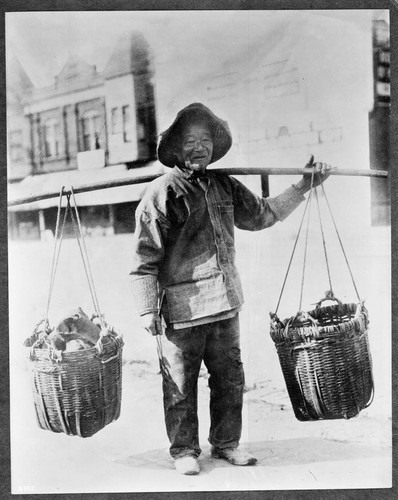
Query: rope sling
324,353
75,392
58,238
307,210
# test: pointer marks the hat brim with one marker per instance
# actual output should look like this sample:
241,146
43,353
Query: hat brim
170,139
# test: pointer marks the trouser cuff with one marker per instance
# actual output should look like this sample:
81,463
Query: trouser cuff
186,452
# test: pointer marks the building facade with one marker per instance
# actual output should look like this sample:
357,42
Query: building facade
87,120
379,124
308,87
293,91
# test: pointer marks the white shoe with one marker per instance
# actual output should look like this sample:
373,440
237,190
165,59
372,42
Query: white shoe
187,465
234,456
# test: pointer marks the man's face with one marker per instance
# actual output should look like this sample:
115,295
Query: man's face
196,146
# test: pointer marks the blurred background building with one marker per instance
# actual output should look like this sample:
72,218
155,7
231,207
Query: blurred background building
379,123
67,133
290,84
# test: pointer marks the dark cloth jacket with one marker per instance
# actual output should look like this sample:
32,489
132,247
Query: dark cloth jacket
184,253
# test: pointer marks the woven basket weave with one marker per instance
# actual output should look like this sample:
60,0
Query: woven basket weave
326,362
79,392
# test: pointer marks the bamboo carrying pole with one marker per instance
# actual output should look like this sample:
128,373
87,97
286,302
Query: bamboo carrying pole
139,179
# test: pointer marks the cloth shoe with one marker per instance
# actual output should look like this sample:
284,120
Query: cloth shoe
187,465
234,456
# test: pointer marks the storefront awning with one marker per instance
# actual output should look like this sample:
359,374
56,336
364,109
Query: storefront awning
44,183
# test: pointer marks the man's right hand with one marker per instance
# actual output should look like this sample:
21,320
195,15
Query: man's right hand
152,323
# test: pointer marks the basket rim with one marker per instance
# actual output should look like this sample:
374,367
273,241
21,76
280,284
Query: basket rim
285,331
49,354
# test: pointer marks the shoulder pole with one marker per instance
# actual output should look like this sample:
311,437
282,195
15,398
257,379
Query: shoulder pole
139,179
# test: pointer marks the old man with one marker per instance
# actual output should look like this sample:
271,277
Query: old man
186,284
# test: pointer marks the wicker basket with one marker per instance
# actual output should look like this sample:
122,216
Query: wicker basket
325,359
77,392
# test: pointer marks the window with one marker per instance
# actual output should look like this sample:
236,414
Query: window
51,136
146,131
115,120
384,56
283,131
140,132
127,131
15,145
91,130
383,72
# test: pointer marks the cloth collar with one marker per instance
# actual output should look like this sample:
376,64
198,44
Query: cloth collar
189,175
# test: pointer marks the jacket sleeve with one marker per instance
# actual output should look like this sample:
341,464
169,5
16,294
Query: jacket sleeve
148,253
253,212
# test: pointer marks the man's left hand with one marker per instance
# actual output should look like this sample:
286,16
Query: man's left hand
321,173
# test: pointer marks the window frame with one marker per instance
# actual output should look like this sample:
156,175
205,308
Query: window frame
52,138
128,135
91,128
15,146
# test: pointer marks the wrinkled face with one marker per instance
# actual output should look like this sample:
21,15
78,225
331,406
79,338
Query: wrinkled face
196,146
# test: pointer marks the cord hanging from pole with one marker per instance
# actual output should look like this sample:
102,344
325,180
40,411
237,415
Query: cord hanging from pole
291,256
341,244
84,254
330,294
59,232
324,242
58,237
306,236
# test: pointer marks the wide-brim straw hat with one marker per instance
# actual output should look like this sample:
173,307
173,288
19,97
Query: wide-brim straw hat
170,139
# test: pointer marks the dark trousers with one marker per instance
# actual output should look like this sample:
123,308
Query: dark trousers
217,344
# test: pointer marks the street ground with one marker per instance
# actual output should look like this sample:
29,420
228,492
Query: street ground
131,454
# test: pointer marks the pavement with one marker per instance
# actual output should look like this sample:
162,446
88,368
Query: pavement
131,454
